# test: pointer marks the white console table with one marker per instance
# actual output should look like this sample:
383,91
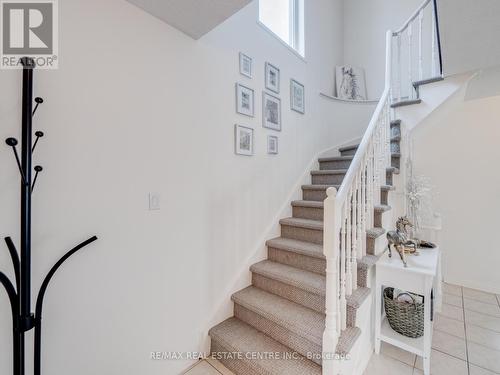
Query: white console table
422,276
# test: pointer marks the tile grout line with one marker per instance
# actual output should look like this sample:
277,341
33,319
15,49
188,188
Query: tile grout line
465,330
214,367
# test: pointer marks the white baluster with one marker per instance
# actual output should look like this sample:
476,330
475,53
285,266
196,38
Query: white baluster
399,84
410,67
363,204
433,44
343,303
354,255
331,252
361,241
420,42
348,215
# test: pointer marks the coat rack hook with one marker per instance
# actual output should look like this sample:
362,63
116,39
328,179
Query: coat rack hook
38,101
38,135
38,169
12,142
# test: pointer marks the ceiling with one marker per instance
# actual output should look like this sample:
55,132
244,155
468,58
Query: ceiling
193,17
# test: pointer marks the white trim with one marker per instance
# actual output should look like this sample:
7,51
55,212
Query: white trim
290,48
349,100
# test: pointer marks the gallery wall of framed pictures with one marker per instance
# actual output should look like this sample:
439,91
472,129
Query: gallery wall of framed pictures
271,105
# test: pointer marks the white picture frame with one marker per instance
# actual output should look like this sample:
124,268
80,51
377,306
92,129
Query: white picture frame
297,97
271,112
246,65
243,140
245,100
273,78
272,145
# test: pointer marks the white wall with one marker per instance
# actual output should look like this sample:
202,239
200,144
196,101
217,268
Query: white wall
457,148
138,107
365,25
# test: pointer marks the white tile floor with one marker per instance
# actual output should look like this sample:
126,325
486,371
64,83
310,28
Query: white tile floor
466,339
208,367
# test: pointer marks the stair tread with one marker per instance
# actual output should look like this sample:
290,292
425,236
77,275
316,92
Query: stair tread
239,337
368,261
329,171
357,297
296,246
406,102
319,187
396,138
347,340
305,280
387,187
302,321
375,232
348,148
382,207
335,158
393,170
309,204
302,223
396,122
427,81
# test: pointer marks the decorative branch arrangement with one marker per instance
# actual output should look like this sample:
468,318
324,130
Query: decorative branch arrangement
23,320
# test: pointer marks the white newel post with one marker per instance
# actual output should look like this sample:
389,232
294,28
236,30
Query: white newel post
331,244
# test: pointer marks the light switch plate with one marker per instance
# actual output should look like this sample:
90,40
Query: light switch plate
154,201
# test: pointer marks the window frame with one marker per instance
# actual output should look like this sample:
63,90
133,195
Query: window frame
296,24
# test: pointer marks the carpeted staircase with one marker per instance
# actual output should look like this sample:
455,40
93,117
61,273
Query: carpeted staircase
283,311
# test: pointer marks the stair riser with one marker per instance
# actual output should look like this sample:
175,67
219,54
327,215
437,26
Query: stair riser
377,219
334,164
348,152
300,261
351,316
395,130
281,334
362,277
396,161
389,179
233,364
370,245
307,299
302,234
314,195
308,213
395,147
328,179
384,197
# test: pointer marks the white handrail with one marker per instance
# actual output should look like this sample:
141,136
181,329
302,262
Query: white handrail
412,18
349,212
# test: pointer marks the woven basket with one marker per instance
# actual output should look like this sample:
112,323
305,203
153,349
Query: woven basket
405,318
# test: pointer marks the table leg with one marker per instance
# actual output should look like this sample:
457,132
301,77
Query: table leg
378,316
427,327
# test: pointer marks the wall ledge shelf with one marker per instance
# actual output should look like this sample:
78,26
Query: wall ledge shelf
348,100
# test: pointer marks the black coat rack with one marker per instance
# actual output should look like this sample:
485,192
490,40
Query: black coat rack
23,320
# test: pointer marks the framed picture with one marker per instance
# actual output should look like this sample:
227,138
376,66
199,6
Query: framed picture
350,83
272,144
243,140
297,97
271,111
244,100
245,65
272,78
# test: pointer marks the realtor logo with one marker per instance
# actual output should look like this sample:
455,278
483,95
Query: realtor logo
29,29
